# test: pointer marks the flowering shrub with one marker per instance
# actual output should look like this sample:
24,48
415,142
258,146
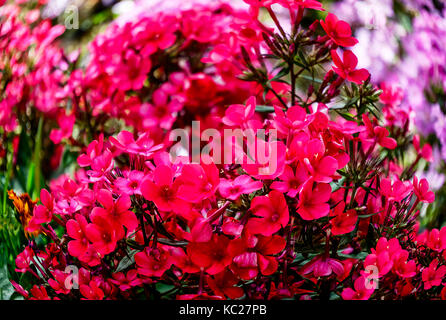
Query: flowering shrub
313,200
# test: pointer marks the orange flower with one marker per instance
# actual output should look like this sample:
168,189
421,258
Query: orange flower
24,206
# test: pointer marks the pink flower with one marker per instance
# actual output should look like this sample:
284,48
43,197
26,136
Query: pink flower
403,267
116,212
43,213
395,190
312,203
100,166
94,149
433,276
294,119
323,266
271,214
103,234
132,72
243,184
422,191
296,4
436,239
292,181
198,182
254,254
339,31
343,221
163,190
361,292
376,134
381,260
162,112
126,282
76,229
241,116
66,123
131,184
346,68
143,146
425,152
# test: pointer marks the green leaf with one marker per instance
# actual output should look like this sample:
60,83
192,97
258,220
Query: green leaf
127,261
336,185
6,288
265,109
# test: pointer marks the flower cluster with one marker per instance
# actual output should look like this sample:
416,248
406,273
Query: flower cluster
314,198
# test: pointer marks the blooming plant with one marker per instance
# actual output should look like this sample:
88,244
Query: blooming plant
335,217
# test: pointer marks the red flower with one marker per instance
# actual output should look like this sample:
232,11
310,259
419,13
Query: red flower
198,182
243,184
126,282
343,221
213,255
361,291
403,267
312,203
223,284
323,266
153,262
346,68
163,190
339,31
76,229
433,276
117,212
103,234
422,191
44,213
254,253
271,214
143,146
92,291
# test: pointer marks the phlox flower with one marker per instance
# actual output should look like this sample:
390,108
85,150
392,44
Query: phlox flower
344,221
339,31
433,275
143,146
346,68
214,256
153,262
421,190
312,203
291,180
244,184
254,254
360,291
269,214
131,184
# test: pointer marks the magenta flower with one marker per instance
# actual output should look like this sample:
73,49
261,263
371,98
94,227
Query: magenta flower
232,189
143,146
269,214
346,68
131,184
292,180
339,31
312,203
163,190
